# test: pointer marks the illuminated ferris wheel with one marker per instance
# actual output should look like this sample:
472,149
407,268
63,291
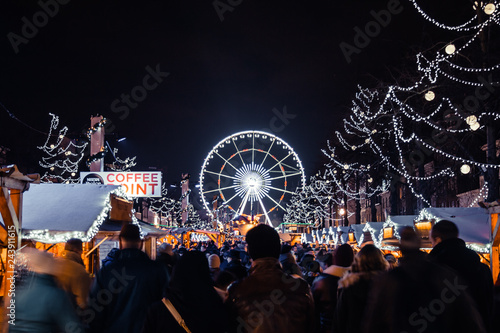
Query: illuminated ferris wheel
252,173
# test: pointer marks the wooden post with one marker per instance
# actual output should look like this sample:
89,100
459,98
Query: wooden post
10,208
96,145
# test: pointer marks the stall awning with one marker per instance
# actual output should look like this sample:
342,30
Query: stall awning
474,224
53,213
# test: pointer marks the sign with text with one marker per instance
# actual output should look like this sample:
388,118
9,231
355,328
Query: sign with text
137,184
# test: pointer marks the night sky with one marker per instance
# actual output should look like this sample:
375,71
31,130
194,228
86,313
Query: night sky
214,77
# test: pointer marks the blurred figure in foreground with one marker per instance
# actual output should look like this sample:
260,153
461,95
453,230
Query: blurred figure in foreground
40,305
419,296
191,294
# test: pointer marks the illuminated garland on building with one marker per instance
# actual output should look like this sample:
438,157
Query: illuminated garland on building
49,237
63,155
121,165
96,127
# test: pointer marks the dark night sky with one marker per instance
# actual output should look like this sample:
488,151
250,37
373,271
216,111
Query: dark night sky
225,76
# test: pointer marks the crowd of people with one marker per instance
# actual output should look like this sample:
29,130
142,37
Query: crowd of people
261,285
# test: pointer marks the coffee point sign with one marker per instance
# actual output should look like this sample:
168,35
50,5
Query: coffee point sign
136,184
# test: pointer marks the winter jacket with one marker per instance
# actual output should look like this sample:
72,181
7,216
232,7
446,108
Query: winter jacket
324,290
237,268
289,264
352,300
420,296
466,263
122,292
41,306
72,276
269,301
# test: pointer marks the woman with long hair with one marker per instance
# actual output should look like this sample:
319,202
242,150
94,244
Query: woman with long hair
355,286
192,298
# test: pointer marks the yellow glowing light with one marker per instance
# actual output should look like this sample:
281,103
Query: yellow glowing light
489,9
471,120
429,96
475,126
465,169
450,49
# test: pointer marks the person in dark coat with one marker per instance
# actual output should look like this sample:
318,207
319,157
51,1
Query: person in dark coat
288,262
355,286
268,300
124,289
166,256
193,295
234,264
419,296
449,250
39,304
325,286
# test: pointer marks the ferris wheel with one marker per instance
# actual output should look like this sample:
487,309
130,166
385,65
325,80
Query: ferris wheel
252,173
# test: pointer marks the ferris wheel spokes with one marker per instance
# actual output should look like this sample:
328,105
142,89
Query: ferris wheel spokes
220,174
268,220
284,176
248,178
267,153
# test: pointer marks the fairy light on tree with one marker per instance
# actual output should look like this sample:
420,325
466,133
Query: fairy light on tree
402,133
62,155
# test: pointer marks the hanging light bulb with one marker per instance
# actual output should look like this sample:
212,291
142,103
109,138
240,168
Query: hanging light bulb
489,8
477,5
471,120
346,166
475,126
450,49
465,169
370,180
429,96
353,147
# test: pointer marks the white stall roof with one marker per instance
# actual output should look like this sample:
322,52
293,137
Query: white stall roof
474,224
57,212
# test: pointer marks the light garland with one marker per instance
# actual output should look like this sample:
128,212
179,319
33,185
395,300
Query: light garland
122,165
51,237
96,127
63,155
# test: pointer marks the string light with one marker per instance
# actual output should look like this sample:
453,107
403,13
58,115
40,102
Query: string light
62,157
55,236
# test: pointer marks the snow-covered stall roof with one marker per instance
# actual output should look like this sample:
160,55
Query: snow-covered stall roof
374,230
474,224
358,231
53,213
343,234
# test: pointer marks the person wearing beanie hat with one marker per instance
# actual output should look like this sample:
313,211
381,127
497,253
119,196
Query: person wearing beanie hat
214,265
71,274
234,264
131,283
284,303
